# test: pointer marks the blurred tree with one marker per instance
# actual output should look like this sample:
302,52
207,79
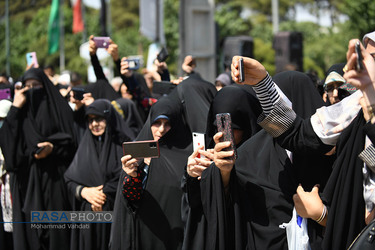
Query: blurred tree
361,15
323,46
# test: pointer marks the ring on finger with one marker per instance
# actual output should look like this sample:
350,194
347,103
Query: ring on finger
345,68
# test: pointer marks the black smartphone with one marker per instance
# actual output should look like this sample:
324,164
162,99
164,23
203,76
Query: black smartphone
359,65
163,55
134,64
101,41
141,149
78,93
224,125
38,150
241,69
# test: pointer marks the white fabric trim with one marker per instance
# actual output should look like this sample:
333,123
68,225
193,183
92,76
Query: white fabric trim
329,122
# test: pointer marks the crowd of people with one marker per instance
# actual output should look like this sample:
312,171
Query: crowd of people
298,144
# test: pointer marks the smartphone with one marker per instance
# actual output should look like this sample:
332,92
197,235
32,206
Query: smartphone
78,93
101,41
31,59
133,64
142,149
38,150
224,125
198,140
163,55
5,94
241,69
359,65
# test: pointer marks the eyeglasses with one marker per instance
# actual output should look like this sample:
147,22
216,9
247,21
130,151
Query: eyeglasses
332,87
97,119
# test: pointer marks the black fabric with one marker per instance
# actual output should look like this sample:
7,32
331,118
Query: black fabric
130,114
344,191
305,100
156,222
101,89
195,94
38,185
91,168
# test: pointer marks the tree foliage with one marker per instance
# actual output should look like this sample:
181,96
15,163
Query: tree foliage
323,46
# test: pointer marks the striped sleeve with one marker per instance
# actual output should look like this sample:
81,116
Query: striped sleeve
279,120
267,94
368,156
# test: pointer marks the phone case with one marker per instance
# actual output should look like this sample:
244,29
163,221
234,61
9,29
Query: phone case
224,125
163,55
142,149
31,58
198,140
241,69
101,41
5,94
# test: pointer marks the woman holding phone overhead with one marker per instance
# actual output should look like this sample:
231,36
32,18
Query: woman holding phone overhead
93,174
147,212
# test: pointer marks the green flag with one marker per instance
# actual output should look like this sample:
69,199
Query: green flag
54,28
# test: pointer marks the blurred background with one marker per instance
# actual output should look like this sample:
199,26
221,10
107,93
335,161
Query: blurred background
306,35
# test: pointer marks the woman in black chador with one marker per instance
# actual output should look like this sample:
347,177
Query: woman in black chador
93,175
38,145
147,212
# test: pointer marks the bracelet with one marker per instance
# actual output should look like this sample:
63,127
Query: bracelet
323,215
371,111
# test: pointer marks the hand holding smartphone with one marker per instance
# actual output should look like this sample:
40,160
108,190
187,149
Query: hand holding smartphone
142,149
224,125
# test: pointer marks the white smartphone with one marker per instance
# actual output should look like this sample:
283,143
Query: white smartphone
198,140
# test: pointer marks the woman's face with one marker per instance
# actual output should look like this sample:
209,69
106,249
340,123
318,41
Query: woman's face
97,124
32,83
159,128
124,92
